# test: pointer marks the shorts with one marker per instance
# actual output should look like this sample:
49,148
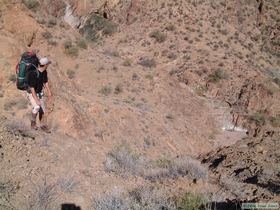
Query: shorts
35,107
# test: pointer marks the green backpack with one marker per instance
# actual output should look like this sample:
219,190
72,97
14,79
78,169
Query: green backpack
28,63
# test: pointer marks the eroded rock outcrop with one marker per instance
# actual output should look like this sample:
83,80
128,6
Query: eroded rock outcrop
249,169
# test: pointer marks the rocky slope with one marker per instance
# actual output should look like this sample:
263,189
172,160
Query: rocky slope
142,88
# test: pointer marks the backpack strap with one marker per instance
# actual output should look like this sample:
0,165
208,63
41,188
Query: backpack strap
36,69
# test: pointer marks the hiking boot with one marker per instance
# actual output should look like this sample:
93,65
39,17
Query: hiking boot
33,125
45,129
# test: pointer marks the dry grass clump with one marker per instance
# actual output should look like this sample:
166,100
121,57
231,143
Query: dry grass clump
7,190
122,161
191,201
184,166
44,196
150,198
67,184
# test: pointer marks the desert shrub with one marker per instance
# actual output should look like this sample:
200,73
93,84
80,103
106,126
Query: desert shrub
118,89
170,27
127,62
258,117
52,22
115,200
275,121
184,166
52,42
277,81
158,36
172,56
95,24
270,87
147,62
44,196
47,35
122,160
106,90
200,90
70,73
7,190
217,76
152,198
81,43
41,20
135,77
67,184
70,49
31,4
190,201
145,197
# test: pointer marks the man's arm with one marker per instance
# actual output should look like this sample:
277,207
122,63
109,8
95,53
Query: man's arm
46,85
38,102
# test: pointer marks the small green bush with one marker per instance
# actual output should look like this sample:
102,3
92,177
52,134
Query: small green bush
81,43
52,22
217,76
275,121
158,36
31,4
106,90
70,73
170,27
258,117
118,89
47,35
147,62
127,62
277,81
70,49
190,201
96,24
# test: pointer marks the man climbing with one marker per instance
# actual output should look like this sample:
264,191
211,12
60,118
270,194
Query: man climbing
37,81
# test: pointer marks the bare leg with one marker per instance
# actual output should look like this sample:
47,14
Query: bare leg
33,121
43,125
